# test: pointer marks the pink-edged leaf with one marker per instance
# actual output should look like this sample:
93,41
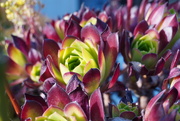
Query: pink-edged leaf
118,86
48,83
73,29
52,109
156,15
114,77
120,20
50,47
156,112
175,59
20,44
31,109
141,27
67,76
149,59
44,73
38,99
168,33
68,41
101,26
73,109
50,32
169,21
91,32
90,82
96,106
174,72
57,97
153,33
159,66
128,115
142,9
54,70
102,63
153,103
34,56
170,99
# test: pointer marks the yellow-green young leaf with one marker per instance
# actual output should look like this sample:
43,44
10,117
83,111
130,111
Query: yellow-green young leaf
56,117
40,118
53,109
73,109
35,72
16,55
89,65
78,45
67,42
63,69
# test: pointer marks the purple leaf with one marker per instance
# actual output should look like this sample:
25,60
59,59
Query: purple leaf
48,83
44,73
20,44
159,66
38,99
57,97
153,103
31,109
156,15
114,77
96,106
149,59
73,29
141,28
90,82
51,48
92,33
155,113
34,56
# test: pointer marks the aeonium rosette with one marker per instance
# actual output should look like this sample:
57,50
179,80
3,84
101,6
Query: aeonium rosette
151,39
95,52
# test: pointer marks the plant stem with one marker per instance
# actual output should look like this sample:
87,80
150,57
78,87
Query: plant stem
12,99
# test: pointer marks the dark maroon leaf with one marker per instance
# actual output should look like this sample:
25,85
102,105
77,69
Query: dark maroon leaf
88,14
38,99
90,82
175,59
170,117
96,106
48,83
141,28
20,44
159,66
57,97
50,47
73,29
34,56
31,109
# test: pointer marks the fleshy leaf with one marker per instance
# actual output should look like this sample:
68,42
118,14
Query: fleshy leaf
90,32
73,29
31,109
152,103
20,44
67,76
73,109
91,82
51,48
48,83
34,56
68,41
128,115
53,109
16,55
156,15
96,106
149,60
57,96
141,27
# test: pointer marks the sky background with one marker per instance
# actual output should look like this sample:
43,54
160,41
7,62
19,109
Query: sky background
57,8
